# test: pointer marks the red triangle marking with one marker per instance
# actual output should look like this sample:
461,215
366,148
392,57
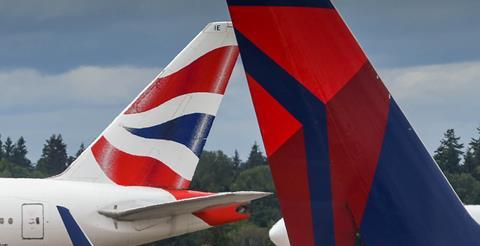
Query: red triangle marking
277,125
322,53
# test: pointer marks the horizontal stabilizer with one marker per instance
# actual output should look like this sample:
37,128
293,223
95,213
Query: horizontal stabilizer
185,206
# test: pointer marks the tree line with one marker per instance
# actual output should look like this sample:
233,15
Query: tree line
461,165
219,172
54,159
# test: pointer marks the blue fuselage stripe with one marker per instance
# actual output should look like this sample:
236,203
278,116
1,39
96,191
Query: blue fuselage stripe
76,234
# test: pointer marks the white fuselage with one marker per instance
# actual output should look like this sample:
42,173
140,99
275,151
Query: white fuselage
28,209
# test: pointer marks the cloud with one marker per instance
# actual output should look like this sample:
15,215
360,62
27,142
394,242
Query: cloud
148,33
30,90
77,125
81,102
59,35
78,103
434,98
104,13
409,33
438,97
45,89
451,86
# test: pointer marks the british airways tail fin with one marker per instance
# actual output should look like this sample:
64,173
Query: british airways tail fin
157,140
346,163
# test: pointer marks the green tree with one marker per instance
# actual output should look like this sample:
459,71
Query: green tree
448,154
8,149
1,148
211,237
237,162
71,159
265,211
466,186
5,169
214,173
249,235
14,163
12,170
54,157
256,157
80,150
472,155
468,164
19,154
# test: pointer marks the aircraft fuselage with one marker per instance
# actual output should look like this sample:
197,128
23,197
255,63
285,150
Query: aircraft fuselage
29,213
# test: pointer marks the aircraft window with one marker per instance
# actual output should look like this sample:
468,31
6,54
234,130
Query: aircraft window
1,221
10,221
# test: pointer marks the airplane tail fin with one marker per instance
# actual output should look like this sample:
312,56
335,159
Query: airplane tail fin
157,140
346,163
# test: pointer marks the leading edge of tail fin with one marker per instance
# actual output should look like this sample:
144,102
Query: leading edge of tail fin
157,140
346,163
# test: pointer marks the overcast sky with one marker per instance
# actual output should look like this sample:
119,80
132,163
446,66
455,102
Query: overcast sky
71,66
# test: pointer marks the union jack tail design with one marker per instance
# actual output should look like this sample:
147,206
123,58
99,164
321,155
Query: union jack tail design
346,163
157,140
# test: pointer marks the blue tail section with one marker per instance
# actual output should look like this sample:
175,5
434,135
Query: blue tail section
411,202
77,236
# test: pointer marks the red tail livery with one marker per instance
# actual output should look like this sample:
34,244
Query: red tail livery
346,163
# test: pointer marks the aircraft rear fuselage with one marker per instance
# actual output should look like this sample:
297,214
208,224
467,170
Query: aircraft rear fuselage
30,215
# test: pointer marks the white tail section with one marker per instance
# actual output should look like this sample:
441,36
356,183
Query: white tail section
157,140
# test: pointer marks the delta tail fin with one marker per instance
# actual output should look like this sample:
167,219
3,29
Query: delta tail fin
346,163
157,140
